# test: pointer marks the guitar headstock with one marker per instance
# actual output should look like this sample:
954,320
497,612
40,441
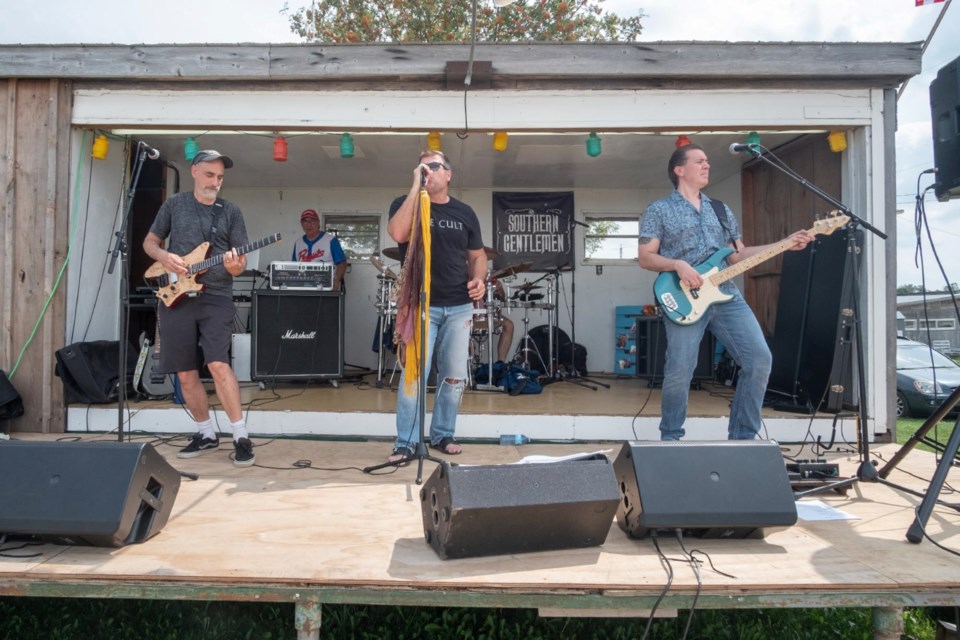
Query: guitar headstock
829,223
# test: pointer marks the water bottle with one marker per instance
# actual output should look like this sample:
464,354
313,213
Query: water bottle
514,438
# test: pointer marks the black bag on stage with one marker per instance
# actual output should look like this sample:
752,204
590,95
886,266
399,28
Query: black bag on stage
11,404
89,371
539,338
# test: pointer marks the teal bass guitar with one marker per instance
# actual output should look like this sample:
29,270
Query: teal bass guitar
686,306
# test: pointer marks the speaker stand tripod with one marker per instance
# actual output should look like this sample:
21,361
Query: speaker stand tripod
948,457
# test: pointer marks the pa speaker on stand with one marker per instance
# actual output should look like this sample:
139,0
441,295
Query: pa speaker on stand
945,118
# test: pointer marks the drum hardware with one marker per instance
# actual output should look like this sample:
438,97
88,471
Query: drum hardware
384,270
386,309
511,270
491,307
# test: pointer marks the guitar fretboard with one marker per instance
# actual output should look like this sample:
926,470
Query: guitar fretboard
247,248
825,226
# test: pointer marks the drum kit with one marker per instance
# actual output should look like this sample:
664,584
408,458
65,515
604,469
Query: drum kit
488,312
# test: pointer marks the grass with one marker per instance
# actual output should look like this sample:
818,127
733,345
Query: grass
76,619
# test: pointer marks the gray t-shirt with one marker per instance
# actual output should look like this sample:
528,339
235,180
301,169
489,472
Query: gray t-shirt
185,223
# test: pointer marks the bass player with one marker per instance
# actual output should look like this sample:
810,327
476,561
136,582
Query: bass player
676,233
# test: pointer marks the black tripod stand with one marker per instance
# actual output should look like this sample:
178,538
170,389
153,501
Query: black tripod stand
852,327
572,375
422,217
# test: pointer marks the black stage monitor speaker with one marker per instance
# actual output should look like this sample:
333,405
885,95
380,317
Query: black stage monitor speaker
297,334
516,508
722,489
104,494
945,118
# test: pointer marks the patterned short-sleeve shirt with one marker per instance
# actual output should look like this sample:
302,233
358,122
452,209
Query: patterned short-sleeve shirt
687,234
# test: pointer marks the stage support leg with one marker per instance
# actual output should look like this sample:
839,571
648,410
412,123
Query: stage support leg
887,623
307,619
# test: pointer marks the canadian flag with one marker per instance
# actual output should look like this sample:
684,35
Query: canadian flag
920,3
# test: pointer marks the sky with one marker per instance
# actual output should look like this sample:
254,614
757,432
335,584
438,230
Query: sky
235,21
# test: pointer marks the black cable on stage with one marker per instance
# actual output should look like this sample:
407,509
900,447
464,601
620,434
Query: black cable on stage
664,560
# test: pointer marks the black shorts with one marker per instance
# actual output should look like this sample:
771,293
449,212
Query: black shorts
207,321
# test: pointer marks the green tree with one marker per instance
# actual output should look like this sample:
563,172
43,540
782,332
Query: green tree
367,21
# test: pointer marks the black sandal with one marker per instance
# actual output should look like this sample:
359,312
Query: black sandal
400,456
444,444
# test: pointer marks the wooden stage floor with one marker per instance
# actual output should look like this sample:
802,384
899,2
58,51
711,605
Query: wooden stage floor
305,525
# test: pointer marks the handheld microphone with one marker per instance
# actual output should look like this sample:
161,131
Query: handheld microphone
739,147
423,178
152,152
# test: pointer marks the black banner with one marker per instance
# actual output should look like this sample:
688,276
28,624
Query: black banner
533,227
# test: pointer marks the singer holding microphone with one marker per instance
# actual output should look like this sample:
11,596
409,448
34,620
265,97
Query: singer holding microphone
457,278
677,233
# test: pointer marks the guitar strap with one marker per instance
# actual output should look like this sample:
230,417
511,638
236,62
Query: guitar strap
217,208
721,211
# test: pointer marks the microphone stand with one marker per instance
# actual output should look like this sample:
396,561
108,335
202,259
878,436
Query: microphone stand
867,470
120,249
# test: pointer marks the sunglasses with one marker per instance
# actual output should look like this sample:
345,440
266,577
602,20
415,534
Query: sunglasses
436,166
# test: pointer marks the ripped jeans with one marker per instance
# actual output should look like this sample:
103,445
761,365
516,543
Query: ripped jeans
448,331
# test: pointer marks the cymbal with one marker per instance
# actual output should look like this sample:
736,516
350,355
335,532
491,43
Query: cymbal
510,270
528,286
491,252
386,271
391,252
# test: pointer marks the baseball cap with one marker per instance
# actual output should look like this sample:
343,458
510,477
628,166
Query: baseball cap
309,214
209,155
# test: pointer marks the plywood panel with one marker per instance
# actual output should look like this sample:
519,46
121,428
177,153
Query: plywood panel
775,205
38,230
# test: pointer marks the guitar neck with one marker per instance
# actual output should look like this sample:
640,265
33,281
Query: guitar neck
241,250
749,263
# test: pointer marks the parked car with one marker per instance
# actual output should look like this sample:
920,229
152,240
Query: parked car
916,393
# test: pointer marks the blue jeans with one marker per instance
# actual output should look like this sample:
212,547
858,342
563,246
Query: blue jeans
733,324
448,331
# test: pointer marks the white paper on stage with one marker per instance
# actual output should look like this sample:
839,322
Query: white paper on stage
814,510
534,459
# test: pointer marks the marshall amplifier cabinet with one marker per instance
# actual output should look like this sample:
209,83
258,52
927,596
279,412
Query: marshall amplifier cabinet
301,276
297,335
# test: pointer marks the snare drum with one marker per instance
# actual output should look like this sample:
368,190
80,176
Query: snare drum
480,311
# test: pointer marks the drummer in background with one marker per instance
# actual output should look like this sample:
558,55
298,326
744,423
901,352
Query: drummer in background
319,246
506,325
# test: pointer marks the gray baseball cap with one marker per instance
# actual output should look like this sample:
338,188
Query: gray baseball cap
208,155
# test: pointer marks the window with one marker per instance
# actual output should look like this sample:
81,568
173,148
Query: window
611,238
910,324
942,323
358,233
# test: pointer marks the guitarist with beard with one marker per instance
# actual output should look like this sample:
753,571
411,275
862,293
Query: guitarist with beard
677,233
186,220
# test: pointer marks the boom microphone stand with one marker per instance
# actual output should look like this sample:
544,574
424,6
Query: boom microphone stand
421,454
120,248
867,470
